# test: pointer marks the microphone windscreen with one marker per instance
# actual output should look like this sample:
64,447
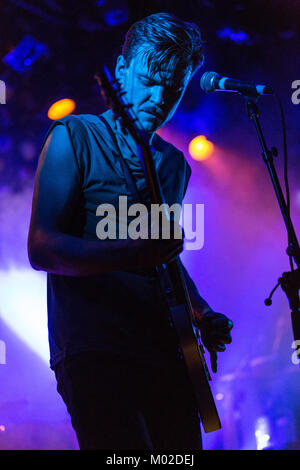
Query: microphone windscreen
206,81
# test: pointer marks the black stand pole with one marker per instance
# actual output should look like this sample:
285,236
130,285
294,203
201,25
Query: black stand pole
290,281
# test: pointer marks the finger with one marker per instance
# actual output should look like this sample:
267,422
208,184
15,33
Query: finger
175,242
217,347
173,246
170,256
176,231
227,339
222,325
220,341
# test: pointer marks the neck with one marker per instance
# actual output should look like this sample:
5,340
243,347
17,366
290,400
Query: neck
126,133
151,138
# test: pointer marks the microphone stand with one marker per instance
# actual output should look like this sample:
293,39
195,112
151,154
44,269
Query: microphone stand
290,281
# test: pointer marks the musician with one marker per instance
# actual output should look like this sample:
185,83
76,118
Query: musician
112,346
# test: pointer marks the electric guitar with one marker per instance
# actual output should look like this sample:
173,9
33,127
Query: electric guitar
177,296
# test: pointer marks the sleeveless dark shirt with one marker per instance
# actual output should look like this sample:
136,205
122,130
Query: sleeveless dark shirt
122,314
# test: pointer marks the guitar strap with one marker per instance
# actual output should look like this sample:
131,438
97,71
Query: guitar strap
164,278
130,181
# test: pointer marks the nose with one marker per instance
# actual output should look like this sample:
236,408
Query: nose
157,95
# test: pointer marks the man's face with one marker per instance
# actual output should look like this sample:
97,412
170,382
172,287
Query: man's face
155,98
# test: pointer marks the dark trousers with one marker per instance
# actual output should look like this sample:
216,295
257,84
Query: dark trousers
115,405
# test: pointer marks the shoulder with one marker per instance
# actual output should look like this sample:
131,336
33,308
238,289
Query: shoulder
74,127
171,152
77,120
165,147
68,135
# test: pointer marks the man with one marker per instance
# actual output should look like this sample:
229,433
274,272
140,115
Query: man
112,347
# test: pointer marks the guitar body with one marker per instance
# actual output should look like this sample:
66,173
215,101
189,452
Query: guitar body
171,276
190,342
191,351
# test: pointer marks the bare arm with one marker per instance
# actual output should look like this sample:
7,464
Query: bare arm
55,201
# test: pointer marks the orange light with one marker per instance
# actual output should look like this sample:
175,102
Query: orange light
61,108
200,148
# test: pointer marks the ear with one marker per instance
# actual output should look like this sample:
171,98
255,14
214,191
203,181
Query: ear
120,69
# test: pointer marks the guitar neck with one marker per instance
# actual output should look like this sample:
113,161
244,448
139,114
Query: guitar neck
174,269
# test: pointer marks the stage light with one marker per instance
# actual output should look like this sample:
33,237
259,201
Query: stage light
238,36
26,53
200,148
5,143
23,307
116,17
114,12
262,433
28,150
61,108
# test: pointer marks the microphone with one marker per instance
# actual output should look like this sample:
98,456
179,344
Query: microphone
212,81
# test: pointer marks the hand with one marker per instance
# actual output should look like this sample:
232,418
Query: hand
215,331
157,250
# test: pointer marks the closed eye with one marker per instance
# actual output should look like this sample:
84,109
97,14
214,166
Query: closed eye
169,89
174,91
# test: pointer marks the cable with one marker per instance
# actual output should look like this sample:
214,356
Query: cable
286,180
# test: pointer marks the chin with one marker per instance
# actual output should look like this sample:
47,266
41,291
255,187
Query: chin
152,126
148,128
